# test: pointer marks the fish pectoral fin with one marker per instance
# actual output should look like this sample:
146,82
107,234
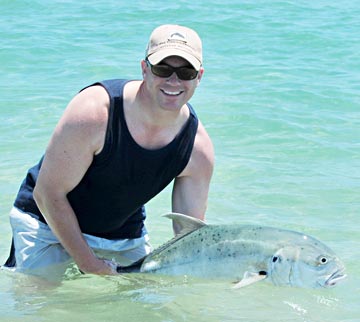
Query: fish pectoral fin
250,278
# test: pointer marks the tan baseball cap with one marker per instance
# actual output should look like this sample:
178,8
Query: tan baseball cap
174,40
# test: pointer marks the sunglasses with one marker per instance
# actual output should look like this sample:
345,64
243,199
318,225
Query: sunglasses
163,70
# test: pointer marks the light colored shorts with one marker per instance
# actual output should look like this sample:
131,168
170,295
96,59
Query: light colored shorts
38,252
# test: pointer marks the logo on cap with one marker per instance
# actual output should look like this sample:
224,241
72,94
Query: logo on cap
177,36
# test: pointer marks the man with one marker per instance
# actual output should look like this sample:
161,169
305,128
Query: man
117,145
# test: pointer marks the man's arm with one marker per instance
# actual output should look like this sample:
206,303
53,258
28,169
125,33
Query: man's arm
191,188
78,136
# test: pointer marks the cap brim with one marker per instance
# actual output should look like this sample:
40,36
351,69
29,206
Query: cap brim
157,57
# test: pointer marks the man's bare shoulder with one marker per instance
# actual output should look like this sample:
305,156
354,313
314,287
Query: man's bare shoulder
203,146
85,118
88,107
92,99
202,156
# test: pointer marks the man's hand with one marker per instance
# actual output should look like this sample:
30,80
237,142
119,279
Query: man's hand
101,267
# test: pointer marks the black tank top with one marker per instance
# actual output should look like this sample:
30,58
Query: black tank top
109,201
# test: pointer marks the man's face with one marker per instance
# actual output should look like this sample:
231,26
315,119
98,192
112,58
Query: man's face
170,93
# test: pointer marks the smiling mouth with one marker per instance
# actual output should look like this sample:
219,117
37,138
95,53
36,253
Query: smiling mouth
172,93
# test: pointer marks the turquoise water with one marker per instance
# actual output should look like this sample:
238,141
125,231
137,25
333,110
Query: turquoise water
281,100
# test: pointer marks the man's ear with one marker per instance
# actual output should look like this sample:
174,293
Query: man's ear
143,68
200,75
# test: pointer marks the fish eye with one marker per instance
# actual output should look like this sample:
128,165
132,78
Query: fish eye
323,260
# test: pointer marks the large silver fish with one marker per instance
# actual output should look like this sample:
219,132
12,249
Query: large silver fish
244,254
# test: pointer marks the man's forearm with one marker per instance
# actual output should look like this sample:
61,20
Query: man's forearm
61,218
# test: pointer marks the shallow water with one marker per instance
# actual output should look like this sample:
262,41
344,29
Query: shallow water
280,99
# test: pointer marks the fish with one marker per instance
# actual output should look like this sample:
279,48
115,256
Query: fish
243,254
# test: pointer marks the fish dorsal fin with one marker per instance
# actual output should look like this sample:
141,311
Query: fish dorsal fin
185,224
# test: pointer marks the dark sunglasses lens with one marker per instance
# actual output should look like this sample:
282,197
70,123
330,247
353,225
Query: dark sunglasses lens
162,70
186,73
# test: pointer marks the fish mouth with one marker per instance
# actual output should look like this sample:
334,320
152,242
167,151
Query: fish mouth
335,278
